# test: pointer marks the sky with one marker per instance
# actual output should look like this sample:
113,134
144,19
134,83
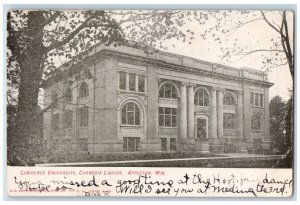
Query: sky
256,35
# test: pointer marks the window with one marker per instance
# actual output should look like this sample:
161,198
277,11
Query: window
168,91
167,117
164,144
68,115
54,100
173,145
252,99
256,122
55,121
201,98
132,82
122,81
68,95
229,99
261,102
136,82
83,90
257,99
141,83
229,121
131,144
131,114
84,116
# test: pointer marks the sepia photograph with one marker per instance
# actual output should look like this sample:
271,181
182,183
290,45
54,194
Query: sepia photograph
150,89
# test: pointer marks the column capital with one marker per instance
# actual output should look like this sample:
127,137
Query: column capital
216,88
192,84
182,83
221,89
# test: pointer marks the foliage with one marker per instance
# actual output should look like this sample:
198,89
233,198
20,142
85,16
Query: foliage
278,123
154,28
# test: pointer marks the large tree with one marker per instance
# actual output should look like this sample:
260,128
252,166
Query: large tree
38,39
278,114
35,40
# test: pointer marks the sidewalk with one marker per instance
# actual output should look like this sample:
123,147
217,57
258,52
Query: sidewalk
221,156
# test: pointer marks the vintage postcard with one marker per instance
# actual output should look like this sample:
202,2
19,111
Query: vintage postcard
158,103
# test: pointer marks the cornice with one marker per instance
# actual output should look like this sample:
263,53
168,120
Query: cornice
148,61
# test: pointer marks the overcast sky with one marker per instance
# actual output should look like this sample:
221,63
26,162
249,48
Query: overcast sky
256,34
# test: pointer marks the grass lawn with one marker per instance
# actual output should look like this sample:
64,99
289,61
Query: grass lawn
105,157
264,162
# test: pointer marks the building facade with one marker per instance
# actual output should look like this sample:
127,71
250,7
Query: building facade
125,99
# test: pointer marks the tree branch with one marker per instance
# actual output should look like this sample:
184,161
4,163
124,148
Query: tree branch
58,44
257,51
238,27
288,46
268,22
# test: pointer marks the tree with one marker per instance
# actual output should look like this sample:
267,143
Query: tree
35,39
278,113
289,130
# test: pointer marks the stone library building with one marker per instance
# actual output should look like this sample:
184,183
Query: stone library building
136,99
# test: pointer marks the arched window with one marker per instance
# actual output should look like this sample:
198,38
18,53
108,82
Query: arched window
201,98
54,100
256,122
83,90
68,95
130,114
229,99
84,116
168,91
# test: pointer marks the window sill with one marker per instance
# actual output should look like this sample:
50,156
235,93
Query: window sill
256,131
230,129
172,99
229,106
200,106
164,127
253,106
131,126
133,92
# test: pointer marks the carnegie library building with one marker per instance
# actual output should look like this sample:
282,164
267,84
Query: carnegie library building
136,99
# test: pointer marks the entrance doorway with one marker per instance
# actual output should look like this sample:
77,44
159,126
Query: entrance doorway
201,128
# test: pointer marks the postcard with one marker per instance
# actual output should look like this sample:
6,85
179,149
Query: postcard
158,103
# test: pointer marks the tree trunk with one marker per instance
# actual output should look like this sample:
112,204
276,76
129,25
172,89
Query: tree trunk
30,77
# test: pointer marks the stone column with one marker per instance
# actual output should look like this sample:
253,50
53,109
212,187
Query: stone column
240,117
127,81
220,113
136,83
183,111
190,116
213,117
